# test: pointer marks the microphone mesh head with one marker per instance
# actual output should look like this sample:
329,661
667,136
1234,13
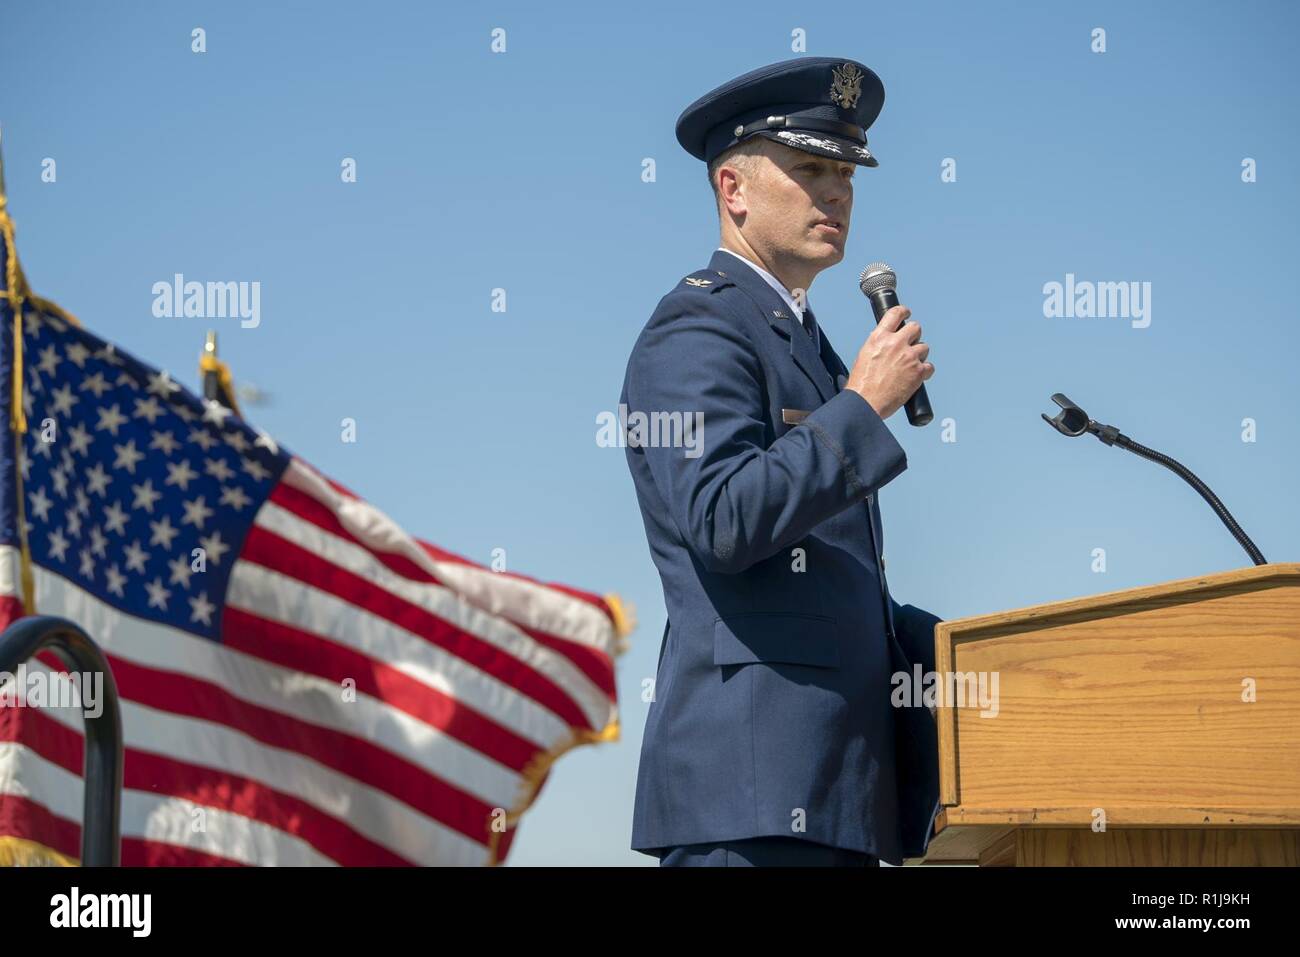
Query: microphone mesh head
875,277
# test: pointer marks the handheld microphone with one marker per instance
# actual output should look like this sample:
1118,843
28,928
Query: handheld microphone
879,284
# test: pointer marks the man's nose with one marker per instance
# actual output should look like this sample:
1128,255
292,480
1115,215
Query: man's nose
839,204
840,192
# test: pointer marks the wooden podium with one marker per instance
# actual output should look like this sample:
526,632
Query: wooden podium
1152,726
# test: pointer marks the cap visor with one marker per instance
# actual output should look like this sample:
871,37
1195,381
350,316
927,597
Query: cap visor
822,144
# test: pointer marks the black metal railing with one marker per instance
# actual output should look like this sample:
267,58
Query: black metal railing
100,837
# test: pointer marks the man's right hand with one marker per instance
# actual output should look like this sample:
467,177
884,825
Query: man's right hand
891,365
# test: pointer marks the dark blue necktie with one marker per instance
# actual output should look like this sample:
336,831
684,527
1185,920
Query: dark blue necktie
810,324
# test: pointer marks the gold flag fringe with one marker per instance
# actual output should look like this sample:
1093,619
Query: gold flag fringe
20,852
624,620
16,291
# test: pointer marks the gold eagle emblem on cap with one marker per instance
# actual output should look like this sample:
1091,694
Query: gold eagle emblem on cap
846,85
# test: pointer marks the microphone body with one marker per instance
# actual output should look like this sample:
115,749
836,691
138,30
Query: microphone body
878,284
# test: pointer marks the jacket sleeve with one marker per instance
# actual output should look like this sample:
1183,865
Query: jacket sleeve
914,628
734,501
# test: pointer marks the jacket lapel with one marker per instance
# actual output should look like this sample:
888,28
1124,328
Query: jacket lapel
779,318
804,354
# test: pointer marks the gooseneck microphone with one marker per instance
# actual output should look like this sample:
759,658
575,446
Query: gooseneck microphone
1073,421
879,284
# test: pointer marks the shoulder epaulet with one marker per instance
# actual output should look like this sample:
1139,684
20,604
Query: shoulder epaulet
707,279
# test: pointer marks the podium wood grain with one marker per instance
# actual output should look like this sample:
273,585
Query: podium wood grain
1172,707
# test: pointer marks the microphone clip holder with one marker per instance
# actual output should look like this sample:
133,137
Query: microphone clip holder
1073,421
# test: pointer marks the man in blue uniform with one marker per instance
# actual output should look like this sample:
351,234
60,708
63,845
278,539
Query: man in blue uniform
756,456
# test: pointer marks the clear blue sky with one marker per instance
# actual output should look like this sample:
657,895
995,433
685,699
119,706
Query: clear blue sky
522,170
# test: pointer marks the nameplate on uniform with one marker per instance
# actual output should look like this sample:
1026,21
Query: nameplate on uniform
793,416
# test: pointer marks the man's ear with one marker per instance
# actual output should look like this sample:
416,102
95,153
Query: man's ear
731,190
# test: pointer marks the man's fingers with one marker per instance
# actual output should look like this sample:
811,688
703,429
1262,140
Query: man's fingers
893,318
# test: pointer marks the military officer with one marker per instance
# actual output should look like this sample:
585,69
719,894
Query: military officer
771,738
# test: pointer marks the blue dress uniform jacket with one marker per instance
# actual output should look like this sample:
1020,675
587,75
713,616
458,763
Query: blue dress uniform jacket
772,706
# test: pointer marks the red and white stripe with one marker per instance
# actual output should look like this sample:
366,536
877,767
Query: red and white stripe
374,700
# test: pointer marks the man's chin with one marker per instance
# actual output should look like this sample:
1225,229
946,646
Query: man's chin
828,252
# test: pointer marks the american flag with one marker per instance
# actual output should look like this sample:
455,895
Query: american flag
302,682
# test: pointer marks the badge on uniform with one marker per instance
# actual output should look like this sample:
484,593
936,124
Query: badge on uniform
793,416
